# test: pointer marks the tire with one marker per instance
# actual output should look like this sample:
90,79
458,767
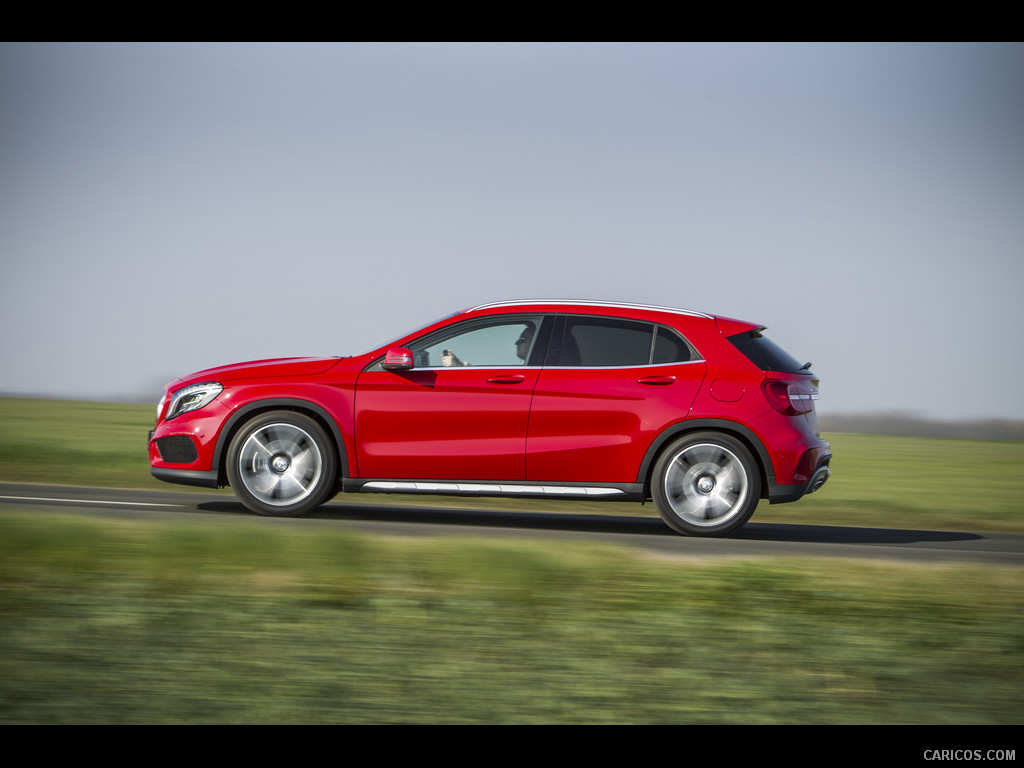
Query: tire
706,484
283,464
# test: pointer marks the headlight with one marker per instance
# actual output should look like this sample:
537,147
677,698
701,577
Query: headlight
192,398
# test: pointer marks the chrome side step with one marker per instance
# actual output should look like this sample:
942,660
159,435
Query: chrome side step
382,486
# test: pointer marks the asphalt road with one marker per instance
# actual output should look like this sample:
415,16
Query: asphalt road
644,533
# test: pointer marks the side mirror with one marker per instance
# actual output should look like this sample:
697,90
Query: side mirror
397,359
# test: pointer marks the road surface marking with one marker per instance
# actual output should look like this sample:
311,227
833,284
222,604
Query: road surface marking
93,501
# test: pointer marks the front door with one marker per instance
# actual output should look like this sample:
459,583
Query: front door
461,413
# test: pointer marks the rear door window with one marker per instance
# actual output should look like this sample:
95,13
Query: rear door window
593,342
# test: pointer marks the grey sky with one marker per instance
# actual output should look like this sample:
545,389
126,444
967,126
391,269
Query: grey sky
164,208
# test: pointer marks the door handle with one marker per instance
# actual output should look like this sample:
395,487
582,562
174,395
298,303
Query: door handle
657,380
512,378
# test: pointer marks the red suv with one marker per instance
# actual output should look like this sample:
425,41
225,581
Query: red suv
568,399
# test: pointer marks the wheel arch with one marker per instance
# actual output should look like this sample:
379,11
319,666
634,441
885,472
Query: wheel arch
745,435
246,412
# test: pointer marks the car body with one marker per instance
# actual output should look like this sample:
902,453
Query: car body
550,398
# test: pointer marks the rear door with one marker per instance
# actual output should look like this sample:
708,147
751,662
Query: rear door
609,387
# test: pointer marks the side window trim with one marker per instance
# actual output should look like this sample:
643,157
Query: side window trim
554,351
540,345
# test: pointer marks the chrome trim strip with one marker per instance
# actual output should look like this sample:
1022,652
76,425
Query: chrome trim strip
618,367
584,303
554,490
513,369
510,368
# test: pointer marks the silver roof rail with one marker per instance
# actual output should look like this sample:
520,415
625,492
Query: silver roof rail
585,303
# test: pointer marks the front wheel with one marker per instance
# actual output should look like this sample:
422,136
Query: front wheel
283,464
705,484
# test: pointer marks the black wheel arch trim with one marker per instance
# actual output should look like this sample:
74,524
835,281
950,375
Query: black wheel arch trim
247,411
732,428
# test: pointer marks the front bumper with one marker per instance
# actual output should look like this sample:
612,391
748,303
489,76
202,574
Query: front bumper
182,450
196,477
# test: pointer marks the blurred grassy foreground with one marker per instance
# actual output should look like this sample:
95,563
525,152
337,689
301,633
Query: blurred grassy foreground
237,620
250,620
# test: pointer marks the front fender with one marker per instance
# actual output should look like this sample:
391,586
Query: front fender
247,411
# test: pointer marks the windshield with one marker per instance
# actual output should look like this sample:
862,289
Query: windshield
391,341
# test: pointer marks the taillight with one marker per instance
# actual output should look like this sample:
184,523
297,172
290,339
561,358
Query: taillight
789,398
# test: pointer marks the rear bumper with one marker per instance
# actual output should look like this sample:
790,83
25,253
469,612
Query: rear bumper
782,493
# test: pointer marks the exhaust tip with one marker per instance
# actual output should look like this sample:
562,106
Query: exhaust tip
819,478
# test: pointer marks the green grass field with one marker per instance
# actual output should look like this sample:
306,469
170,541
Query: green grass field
246,620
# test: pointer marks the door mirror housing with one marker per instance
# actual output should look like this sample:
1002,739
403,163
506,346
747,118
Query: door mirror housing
397,359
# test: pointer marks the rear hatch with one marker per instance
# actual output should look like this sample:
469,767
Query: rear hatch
789,385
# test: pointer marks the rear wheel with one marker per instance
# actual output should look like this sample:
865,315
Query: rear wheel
706,484
282,463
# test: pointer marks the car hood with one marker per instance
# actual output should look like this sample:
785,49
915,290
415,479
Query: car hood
259,369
